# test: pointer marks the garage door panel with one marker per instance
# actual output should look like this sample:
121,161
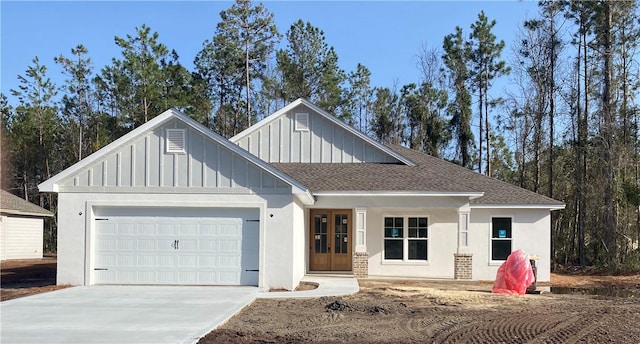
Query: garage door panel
147,244
159,246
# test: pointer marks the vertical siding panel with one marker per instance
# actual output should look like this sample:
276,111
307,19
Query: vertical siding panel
112,170
195,160
211,175
140,163
254,176
161,174
268,181
90,177
274,142
335,148
239,171
326,143
97,175
104,173
124,161
347,143
285,132
224,164
118,169
133,165
203,161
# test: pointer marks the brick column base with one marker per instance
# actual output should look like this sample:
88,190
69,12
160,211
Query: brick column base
361,264
463,266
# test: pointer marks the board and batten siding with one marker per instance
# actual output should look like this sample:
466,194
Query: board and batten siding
20,237
145,165
278,141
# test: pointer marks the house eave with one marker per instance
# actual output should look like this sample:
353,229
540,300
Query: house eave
23,213
398,193
518,206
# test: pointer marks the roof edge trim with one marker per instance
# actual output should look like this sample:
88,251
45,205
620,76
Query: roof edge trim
518,206
399,193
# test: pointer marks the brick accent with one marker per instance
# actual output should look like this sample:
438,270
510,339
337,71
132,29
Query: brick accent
463,266
361,264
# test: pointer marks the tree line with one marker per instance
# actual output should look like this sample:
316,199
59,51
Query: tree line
566,126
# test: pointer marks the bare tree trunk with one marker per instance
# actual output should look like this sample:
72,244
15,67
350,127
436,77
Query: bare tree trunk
607,134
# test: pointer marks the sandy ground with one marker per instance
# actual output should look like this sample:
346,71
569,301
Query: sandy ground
432,312
27,277
387,311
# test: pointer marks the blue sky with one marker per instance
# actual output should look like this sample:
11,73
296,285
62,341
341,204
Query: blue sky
384,36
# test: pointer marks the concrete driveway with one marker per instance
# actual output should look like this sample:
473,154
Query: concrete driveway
121,314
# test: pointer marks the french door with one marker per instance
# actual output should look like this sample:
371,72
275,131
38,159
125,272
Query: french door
330,240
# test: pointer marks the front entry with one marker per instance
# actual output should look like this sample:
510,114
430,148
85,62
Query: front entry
330,240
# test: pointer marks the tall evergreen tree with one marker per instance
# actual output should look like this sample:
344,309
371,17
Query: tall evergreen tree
250,29
484,53
359,97
77,102
310,68
455,58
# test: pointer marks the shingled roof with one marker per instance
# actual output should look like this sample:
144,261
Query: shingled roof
12,204
430,175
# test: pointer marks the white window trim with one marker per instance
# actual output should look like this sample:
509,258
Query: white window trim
493,262
297,121
405,241
184,141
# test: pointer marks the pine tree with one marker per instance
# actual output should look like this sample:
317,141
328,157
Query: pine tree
77,103
310,68
250,29
484,55
455,58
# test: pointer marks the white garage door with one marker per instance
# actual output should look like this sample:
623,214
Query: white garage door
176,246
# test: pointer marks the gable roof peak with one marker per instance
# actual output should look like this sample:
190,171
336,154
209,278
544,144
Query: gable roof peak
321,112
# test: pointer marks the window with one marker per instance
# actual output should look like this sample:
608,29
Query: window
302,122
500,238
405,238
175,141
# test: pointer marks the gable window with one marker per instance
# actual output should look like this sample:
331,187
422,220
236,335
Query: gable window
500,238
175,141
406,238
302,122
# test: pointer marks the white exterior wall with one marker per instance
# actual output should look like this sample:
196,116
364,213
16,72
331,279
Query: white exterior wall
531,231
21,237
441,245
300,247
443,230
75,222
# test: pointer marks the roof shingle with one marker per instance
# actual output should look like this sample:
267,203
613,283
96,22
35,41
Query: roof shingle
430,174
12,204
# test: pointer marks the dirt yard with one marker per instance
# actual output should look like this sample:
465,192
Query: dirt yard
410,311
27,277
431,312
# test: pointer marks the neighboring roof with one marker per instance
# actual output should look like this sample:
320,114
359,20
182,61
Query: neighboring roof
328,116
431,175
12,204
51,185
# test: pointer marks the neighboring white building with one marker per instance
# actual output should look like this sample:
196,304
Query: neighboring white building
171,202
21,226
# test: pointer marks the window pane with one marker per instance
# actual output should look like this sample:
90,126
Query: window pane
501,227
417,227
388,221
393,249
393,227
500,249
417,249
